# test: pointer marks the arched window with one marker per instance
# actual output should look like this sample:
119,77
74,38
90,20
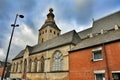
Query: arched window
42,64
35,68
16,67
30,65
25,65
57,61
21,66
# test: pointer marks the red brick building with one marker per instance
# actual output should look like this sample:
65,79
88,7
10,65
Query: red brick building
7,71
97,55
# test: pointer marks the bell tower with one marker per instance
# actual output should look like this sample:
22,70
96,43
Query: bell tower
49,29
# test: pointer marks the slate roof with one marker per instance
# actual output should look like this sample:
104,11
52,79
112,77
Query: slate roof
106,23
97,40
20,55
51,24
68,38
80,39
84,34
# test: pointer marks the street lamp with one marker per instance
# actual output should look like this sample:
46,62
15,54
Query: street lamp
13,25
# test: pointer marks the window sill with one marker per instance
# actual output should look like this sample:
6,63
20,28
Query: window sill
97,60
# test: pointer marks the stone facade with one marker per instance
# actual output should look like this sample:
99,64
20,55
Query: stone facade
41,62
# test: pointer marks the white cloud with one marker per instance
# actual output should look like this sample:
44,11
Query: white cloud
66,26
2,54
24,36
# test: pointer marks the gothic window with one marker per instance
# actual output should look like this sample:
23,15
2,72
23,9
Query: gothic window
25,65
42,39
16,67
42,64
21,66
35,68
57,61
30,64
46,31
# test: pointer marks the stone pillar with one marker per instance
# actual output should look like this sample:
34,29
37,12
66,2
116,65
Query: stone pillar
38,66
32,67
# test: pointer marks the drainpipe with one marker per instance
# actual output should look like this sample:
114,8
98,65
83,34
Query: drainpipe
106,60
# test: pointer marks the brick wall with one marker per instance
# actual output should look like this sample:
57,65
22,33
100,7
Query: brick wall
82,67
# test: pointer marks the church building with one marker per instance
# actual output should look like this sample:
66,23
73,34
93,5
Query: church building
47,60
91,54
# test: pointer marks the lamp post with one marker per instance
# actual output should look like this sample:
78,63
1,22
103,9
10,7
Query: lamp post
13,25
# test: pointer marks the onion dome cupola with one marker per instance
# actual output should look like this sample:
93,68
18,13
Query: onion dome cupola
49,29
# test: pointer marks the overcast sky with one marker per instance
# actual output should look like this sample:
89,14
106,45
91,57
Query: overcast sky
69,15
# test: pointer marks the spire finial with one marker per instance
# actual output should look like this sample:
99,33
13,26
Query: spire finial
51,10
50,16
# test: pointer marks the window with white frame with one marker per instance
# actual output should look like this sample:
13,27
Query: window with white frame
100,76
97,54
57,61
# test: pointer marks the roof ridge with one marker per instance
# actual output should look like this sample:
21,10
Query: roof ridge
113,13
85,29
54,38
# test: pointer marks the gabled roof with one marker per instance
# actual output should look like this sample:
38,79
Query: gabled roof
20,55
84,34
106,23
99,39
67,38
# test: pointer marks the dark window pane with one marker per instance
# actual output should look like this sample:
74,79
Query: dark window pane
97,54
50,31
116,76
99,76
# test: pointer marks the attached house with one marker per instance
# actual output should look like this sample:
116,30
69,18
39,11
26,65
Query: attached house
97,56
